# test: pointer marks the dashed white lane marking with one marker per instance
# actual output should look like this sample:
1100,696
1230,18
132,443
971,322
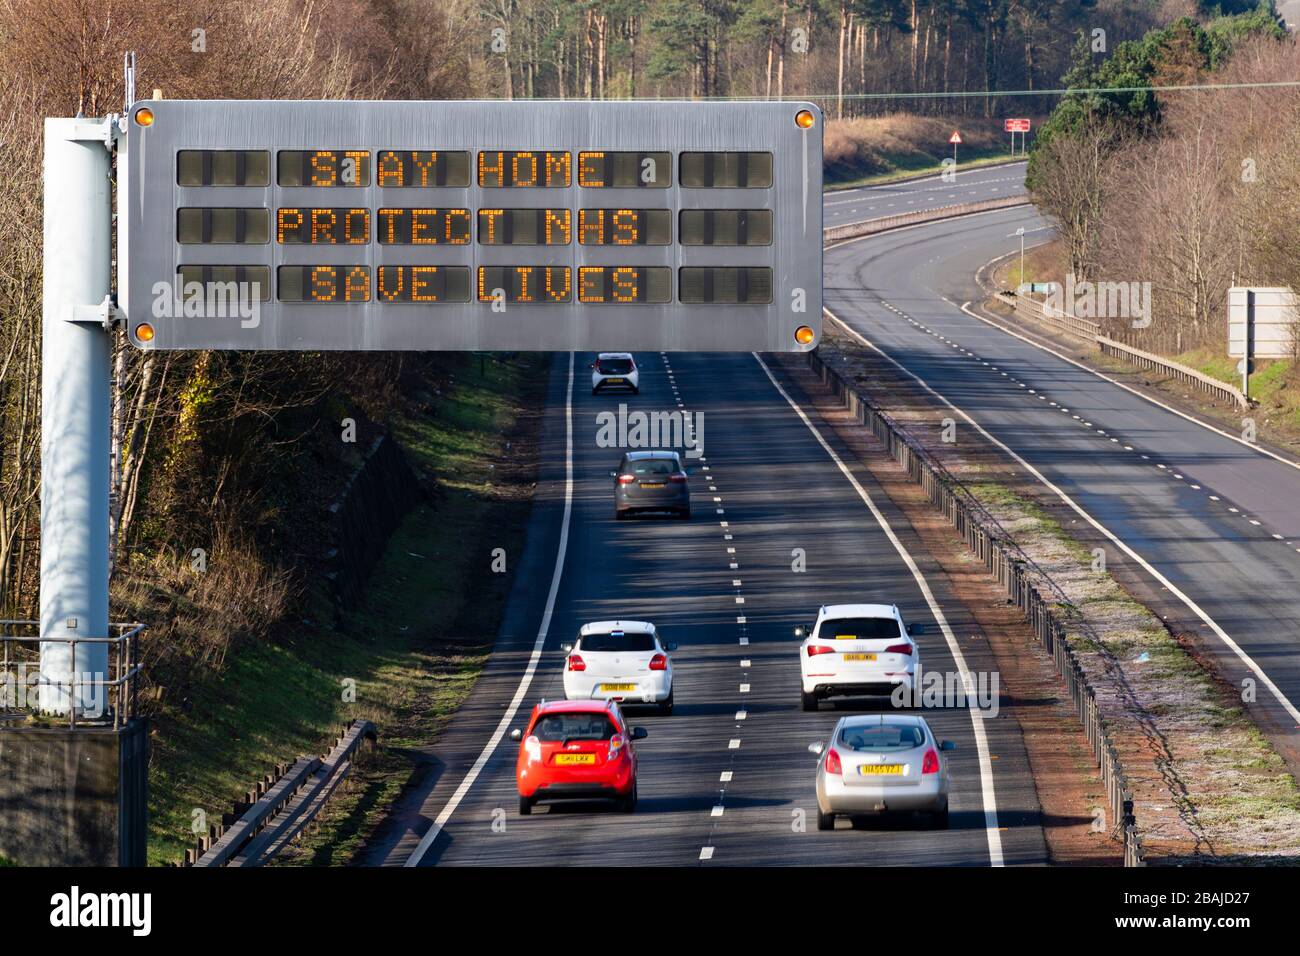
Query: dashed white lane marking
716,811
740,600
741,714
706,853
1195,608
988,794
725,777
733,743
441,820
745,662
744,688
740,619
744,642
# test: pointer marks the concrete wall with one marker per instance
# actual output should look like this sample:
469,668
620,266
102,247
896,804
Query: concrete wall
74,797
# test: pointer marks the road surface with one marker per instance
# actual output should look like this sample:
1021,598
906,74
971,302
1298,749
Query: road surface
1218,520
726,780
891,199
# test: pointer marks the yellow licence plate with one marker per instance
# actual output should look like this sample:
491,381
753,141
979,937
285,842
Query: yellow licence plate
846,637
613,381
859,657
881,769
568,760
652,484
613,688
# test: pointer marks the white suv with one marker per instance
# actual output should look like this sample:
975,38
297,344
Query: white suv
615,370
856,650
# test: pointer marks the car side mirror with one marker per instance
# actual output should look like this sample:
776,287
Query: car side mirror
816,748
516,734
914,629
640,733
947,745
799,632
614,473
567,648
670,646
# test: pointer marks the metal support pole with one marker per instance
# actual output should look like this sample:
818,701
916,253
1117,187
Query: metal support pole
75,426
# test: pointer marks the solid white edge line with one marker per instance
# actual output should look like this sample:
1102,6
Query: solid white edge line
1078,509
441,821
1128,388
988,794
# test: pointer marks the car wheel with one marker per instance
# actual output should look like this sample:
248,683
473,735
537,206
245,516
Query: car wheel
939,820
825,821
684,514
666,705
620,515
595,391
807,701
628,804
525,806
636,390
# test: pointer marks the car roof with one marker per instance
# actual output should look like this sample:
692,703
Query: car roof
604,627
614,355
589,706
641,455
876,720
857,610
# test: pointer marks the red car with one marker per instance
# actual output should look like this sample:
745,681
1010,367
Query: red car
577,750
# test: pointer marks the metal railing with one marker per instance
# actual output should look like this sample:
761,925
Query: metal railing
281,806
1017,575
21,677
1086,329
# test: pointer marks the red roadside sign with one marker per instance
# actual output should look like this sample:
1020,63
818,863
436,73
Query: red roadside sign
1015,125
955,138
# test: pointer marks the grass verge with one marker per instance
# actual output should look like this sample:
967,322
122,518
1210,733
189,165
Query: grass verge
411,651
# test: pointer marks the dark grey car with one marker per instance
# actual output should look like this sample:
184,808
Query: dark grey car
651,481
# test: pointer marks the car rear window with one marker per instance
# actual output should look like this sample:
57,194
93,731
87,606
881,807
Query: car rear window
614,366
652,466
883,737
620,641
559,728
861,628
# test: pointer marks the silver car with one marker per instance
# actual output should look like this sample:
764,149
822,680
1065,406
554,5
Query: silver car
882,763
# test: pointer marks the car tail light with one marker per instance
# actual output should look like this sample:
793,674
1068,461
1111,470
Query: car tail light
677,478
833,762
576,663
615,746
930,763
533,747
899,649
626,479
815,649
659,663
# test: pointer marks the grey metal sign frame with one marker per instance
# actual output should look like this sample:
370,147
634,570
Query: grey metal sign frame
149,197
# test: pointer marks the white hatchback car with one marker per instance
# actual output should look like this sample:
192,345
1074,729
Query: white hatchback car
615,370
882,763
856,650
620,660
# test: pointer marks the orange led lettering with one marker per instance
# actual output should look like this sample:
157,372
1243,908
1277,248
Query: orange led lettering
424,167
531,160
562,294
557,164
356,288
523,272
356,226
495,168
589,175
461,219
390,168
625,284
561,222
418,284
324,168
625,231
589,284
323,279
384,292
287,221
322,223
489,216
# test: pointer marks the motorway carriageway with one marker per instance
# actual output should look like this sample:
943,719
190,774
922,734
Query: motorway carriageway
726,779
892,199
1212,519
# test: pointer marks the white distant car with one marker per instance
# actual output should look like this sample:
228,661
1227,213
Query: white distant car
856,650
882,763
620,660
615,370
